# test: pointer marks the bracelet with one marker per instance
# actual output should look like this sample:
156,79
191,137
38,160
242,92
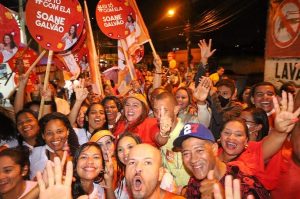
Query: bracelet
48,102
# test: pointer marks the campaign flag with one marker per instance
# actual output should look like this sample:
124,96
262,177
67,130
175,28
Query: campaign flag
72,66
93,58
9,35
132,45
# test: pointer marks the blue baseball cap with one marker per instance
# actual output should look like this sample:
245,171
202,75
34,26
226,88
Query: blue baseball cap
193,130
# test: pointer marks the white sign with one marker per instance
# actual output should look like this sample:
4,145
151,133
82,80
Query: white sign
279,71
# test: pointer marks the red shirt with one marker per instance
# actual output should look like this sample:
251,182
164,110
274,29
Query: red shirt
285,174
147,130
251,162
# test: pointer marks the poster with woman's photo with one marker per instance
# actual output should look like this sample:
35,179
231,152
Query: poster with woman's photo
9,35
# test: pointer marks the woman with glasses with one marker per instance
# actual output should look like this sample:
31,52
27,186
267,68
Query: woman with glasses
257,122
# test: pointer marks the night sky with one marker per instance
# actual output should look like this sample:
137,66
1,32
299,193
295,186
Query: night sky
244,35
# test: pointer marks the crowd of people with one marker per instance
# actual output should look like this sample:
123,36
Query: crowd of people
174,134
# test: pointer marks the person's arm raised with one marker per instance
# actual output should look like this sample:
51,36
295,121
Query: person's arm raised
285,120
206,53
158,72
81,93
19,100
165,128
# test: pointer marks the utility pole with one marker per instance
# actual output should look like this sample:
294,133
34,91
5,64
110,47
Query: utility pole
187,31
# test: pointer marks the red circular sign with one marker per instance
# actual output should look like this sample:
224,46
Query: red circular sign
9,35
286,24
21,62
55,24
115,18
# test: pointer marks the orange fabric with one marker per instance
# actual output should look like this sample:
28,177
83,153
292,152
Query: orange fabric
251,162
169,195
147,130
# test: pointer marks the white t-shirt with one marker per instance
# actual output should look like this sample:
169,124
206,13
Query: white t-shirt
121,191
38,160
98,192
83,135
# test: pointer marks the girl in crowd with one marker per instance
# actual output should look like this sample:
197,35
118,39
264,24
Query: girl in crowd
8,48
94,119
245,97
105,140
257,122
89,172
14,170
28,129
80,116
124,144
70,37
188,110
58,135
113,108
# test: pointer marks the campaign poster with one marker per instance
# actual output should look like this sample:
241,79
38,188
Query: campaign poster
55,24
9,35
114,18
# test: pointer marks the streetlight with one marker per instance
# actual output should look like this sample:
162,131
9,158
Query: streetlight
171,12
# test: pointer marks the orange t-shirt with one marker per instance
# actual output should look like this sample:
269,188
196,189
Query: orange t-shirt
169,195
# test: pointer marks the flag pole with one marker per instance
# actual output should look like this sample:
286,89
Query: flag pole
93,58
46,81
128,62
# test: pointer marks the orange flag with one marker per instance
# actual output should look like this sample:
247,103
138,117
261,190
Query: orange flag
93,58
132,43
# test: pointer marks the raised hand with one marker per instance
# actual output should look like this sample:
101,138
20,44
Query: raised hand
157,62
81,92
203,88
207,185
165,123
232,189
23,79
285,118
57,187
108,172
206,51
47,94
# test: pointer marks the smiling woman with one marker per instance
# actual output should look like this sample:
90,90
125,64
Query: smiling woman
89,171
14,165
58,135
